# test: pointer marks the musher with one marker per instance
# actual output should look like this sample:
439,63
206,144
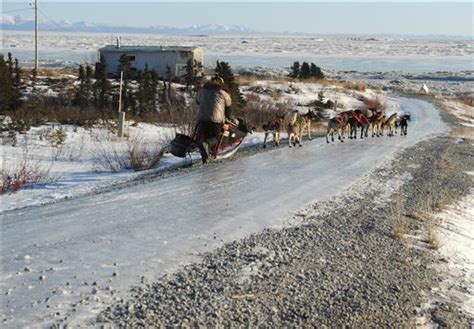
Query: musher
214,107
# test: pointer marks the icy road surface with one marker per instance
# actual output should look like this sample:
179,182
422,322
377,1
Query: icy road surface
65,259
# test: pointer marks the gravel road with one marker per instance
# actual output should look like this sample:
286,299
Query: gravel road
340,266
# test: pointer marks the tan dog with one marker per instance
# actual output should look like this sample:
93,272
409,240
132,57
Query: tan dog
391,124
377,121
298,124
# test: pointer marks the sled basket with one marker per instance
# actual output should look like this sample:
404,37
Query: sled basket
181,145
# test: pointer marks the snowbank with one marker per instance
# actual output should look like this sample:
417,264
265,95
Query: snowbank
457,246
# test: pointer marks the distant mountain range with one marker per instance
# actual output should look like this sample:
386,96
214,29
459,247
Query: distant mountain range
18,23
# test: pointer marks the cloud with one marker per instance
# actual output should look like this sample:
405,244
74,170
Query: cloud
8,20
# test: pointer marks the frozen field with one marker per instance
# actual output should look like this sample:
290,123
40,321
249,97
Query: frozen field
330,52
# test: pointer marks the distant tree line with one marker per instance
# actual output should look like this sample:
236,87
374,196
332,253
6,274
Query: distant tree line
306,71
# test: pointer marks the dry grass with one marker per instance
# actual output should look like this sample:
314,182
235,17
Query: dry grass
400,224
432,238
50,72
400,229
358,86
441,206
246,80
403,257
444,162
429,220
352,85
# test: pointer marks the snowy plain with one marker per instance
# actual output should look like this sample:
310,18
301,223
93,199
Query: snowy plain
340,53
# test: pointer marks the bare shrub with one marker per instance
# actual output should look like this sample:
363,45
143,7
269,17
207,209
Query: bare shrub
185,119
135,154
259,111
111,159
70,152
180,115
374,103
142,157
26,172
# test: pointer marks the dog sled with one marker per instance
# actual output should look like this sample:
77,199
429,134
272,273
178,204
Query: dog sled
229,142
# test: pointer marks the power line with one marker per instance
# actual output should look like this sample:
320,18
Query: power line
53,21
15,10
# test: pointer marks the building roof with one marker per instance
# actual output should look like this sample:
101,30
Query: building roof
147,49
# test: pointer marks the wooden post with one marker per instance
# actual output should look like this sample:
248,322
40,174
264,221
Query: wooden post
121,117
121,124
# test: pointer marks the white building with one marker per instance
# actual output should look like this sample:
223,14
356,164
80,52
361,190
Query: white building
157,58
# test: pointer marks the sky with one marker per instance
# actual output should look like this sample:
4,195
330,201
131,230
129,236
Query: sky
421,18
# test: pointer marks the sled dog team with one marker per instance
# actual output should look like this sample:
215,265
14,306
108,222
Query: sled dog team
349,121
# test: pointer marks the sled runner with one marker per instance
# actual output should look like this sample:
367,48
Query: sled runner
230,140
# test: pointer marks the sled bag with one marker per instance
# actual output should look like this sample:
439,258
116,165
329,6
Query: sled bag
181,145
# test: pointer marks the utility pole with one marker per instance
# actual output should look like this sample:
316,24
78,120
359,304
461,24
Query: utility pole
121,118
36,38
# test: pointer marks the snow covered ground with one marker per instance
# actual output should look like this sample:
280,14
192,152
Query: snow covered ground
77,166
463,112
456,225
75,257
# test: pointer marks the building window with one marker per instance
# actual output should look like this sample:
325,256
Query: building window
131,58
180,70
